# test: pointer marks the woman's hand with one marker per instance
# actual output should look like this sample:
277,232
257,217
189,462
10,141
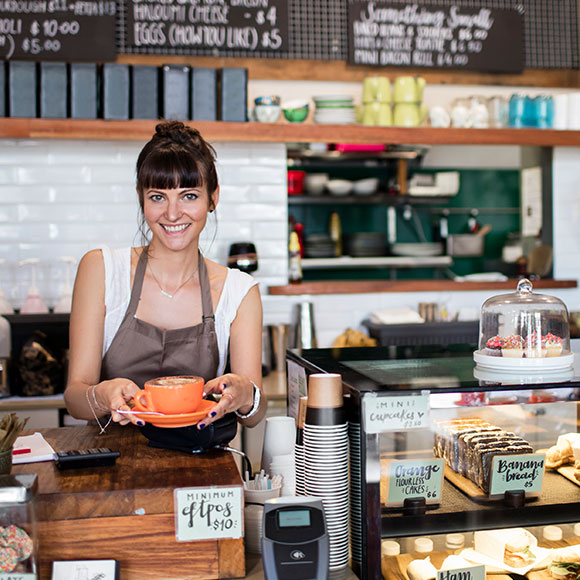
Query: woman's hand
114,395
237,394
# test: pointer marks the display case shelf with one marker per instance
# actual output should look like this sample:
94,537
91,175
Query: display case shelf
141,130
458,513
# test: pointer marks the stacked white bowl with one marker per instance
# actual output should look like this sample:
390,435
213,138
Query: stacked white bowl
334,110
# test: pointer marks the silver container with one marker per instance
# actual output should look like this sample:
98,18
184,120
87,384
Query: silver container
465,245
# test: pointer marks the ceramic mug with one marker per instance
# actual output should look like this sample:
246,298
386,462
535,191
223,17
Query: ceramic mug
377,114
170,395
409,114
408,89
376,89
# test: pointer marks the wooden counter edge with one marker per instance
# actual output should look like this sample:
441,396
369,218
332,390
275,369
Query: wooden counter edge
370,286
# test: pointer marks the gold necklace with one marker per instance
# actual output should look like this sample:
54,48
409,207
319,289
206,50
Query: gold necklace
167,294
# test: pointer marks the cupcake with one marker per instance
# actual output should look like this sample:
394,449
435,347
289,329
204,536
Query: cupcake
535,346
553,344
513,346
494,345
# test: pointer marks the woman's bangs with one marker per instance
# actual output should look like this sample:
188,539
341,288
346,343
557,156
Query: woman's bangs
169,170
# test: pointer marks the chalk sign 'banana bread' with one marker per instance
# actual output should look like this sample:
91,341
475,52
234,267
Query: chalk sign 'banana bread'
468,446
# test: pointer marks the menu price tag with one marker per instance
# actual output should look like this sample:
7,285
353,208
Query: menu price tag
471,573
75,30
208,513
414,478
386,33
224,26
516,472
399,413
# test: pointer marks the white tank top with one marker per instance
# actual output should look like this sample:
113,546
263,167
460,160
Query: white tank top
118,293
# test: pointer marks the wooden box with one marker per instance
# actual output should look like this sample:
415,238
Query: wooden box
126,512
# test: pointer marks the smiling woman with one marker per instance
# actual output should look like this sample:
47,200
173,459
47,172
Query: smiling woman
163,309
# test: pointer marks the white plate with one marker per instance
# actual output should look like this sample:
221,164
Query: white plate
509,364
542,559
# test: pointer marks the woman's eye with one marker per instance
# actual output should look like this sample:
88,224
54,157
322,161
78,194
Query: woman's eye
190,196
156,197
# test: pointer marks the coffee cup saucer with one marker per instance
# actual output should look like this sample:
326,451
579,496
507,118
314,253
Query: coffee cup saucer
177,420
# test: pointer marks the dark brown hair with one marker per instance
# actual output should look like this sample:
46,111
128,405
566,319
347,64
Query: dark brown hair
176,156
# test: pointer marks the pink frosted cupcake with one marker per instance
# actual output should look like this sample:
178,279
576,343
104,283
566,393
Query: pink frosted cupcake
553,344
494,345
513,347
536,346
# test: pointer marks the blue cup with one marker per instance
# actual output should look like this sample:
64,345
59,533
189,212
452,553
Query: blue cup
517,111
544,105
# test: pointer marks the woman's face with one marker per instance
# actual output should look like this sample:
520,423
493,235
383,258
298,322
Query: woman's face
176,217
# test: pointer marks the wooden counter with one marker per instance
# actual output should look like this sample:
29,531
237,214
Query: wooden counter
125,512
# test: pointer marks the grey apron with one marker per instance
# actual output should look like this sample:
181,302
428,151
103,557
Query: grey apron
140,351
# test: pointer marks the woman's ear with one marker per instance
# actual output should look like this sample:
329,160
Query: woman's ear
214,199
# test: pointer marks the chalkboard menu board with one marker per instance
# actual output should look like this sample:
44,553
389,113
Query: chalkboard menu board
225,26
73,30
389,34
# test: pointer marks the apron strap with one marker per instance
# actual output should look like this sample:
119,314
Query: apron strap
205,288
138,282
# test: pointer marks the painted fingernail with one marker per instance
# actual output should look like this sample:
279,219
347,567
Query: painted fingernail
223,387
213,414
140,423
202,425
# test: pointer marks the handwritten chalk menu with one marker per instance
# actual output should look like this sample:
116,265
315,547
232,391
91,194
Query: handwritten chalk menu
414,478
433,36
221,25
382,414
208,513
515,472
72,30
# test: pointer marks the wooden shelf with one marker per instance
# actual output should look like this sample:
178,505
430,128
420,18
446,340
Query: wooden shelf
282,132
375,199
363,287
377,262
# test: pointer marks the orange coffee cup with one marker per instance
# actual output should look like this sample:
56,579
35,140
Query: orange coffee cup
170,395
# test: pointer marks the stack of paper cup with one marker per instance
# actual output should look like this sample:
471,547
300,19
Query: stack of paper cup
279,438
283,465
299,447
326,455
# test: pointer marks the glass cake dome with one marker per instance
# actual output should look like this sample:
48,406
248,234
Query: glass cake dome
524,329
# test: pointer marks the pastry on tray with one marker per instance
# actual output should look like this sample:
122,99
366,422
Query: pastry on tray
469,446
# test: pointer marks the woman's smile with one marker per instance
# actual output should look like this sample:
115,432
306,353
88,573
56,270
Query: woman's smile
175,229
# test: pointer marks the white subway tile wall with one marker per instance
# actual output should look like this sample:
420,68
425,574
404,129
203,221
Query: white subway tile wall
62,198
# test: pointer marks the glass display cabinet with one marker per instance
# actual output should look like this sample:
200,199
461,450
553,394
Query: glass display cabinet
442,449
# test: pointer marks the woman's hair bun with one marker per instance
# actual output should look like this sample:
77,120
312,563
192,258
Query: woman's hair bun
180,133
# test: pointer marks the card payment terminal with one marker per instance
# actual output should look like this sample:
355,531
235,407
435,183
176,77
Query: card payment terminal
295,539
